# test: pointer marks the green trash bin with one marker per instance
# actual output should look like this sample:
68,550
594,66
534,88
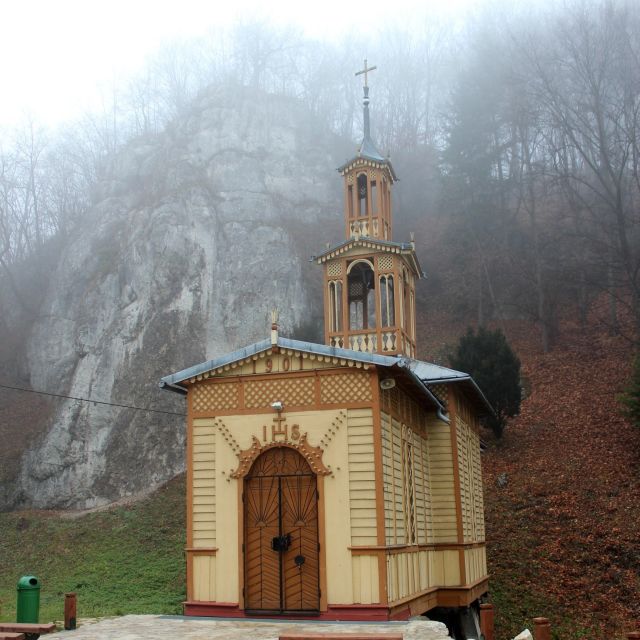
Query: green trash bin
28,599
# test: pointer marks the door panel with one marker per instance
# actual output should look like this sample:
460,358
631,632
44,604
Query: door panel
280,497
262,565
300,561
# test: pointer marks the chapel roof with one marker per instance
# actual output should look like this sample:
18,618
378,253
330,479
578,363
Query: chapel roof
421,374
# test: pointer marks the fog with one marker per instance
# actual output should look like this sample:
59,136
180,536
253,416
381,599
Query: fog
516,129
58,59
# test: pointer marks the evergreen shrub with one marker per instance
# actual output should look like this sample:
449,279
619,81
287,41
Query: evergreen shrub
494,366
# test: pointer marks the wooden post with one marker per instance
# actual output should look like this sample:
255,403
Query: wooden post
69,611
633,635
486,621
542,629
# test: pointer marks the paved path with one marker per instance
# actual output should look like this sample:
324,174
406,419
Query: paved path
178,627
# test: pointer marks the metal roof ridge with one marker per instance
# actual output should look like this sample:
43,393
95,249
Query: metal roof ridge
439,366
405,246
286,343
220,361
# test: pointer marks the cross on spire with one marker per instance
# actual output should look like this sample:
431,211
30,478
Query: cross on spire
366,72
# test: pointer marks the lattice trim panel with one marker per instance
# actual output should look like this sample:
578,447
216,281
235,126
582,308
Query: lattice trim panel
440,391
385,263
215,397
334,269
348,387
293,392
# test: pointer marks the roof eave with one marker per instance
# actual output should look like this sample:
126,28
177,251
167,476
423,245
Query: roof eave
174,381
403,247
385,162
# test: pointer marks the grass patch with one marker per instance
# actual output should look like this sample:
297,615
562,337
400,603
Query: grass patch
127,559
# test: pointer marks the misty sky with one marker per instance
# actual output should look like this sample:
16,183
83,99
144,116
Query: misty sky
57,56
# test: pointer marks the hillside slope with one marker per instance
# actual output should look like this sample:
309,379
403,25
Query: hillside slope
563,531
125,559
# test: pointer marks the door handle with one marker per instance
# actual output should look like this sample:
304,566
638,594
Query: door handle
281,543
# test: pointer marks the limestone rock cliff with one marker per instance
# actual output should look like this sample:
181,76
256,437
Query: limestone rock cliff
189,245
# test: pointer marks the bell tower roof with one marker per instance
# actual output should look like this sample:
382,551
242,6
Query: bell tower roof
367,149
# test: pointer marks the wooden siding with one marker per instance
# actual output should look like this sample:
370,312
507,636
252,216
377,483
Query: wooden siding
365,579
396,481
443,499
424,516
475,561
469,462
204,486
362,486
414,571
408,573
393,480
204,578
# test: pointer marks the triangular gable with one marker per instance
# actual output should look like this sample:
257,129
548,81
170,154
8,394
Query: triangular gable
307,355
365,245
369,157
308,351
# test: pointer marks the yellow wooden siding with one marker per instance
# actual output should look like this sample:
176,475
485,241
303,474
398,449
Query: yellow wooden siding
394,480
362,479
446,568
475,561
398,478
411,572
387,478
443,505
479,493
204,484
470,476
424,519
365,579
467,503
204,578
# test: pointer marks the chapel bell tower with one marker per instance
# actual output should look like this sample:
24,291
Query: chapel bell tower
369,280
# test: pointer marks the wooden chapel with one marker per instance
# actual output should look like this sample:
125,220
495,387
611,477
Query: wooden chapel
338,480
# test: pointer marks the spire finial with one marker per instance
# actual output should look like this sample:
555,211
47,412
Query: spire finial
274,327
365,71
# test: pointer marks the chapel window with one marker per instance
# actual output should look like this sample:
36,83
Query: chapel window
406,301
362,195
387,311
361,290
350,200
374,198
335,306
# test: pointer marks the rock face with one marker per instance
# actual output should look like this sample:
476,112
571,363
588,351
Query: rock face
188,247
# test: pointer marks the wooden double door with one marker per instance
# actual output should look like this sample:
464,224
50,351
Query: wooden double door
281,547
